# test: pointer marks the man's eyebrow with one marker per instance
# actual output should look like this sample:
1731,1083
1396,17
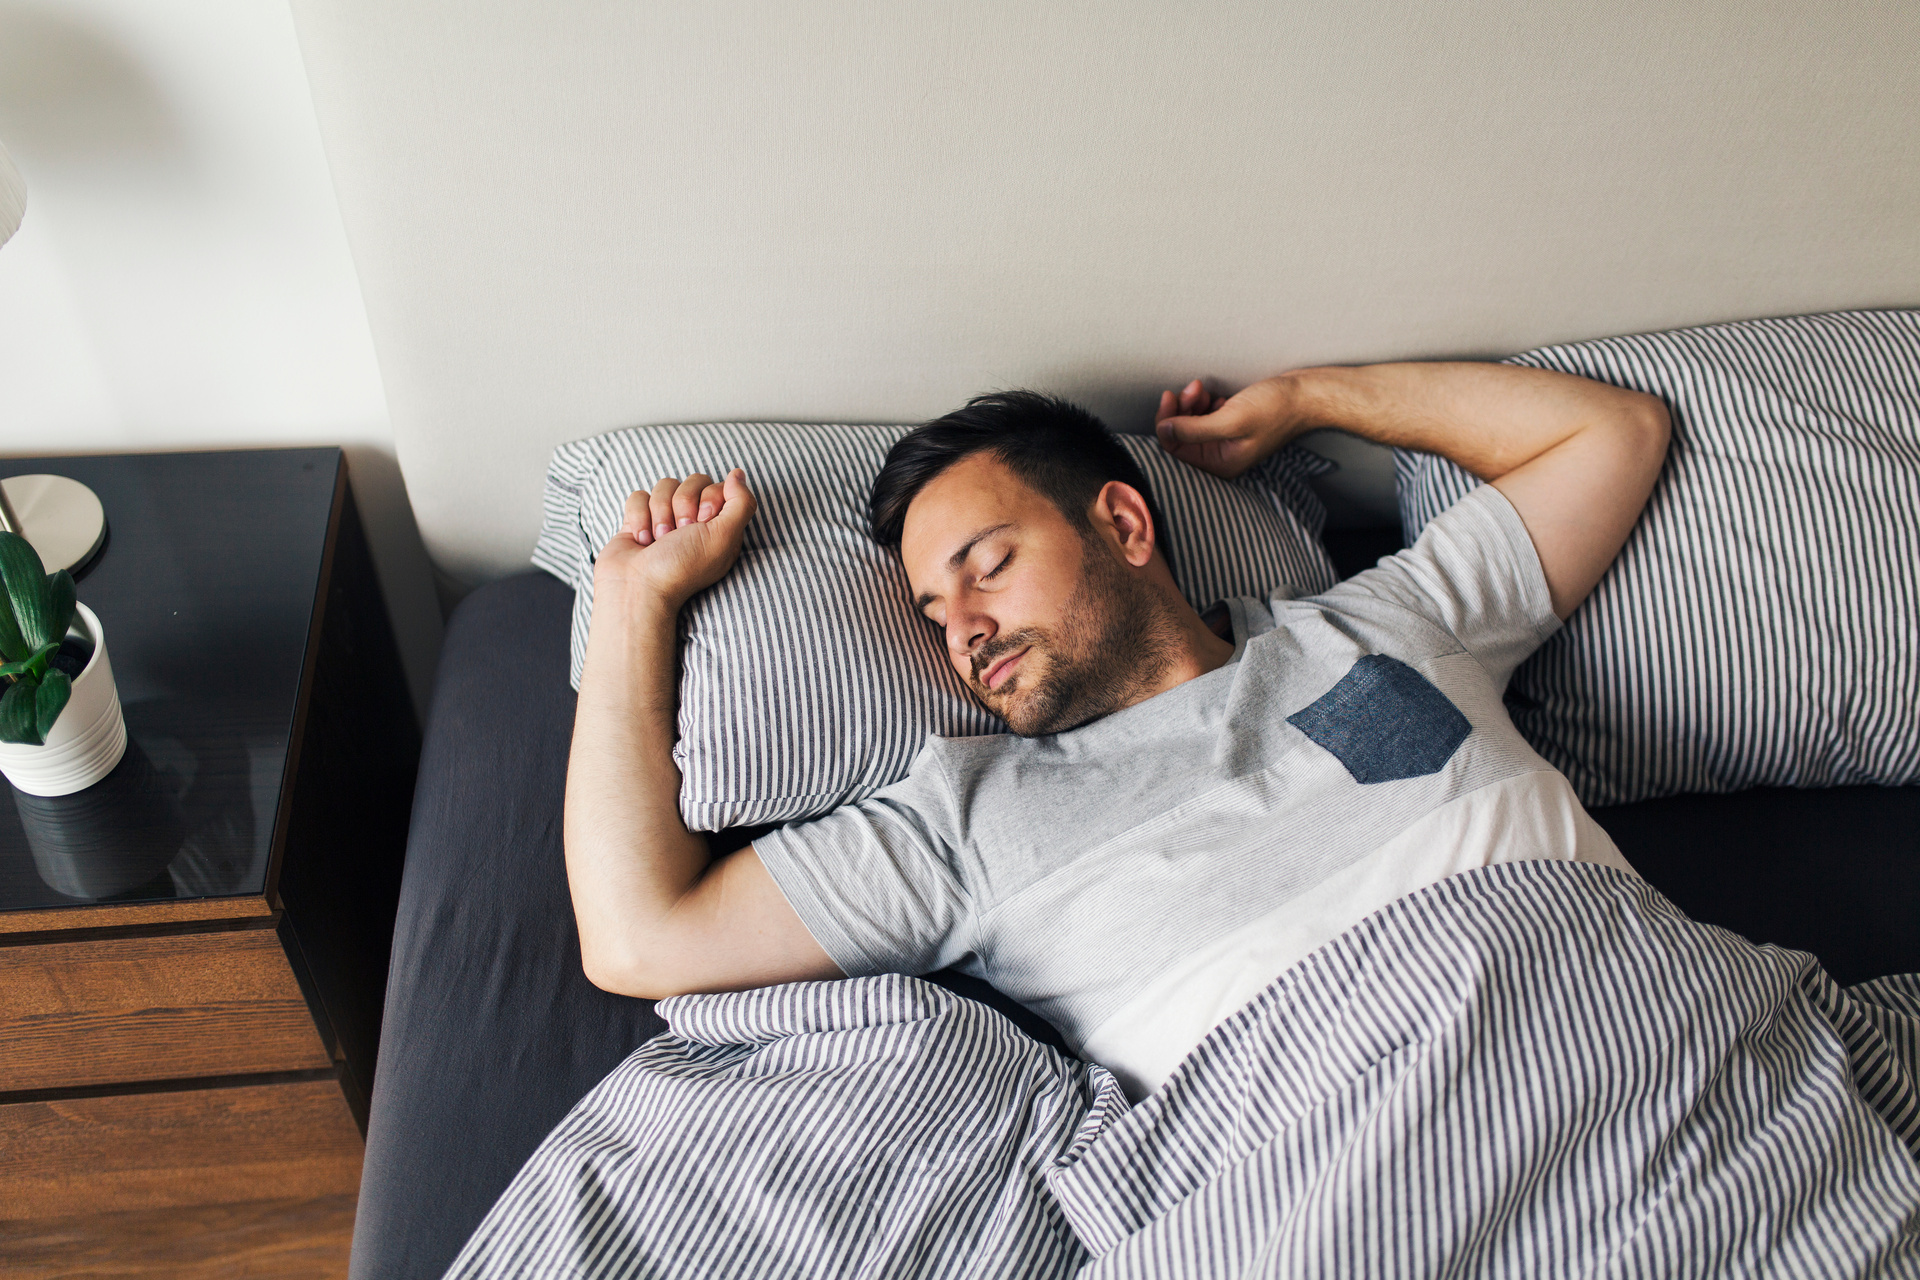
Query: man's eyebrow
959,558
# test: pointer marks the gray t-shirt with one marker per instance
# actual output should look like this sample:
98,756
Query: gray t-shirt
1075,872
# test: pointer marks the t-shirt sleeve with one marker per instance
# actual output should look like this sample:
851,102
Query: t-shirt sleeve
873,881
1474,571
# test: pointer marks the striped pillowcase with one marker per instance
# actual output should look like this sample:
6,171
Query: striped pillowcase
807,678
1762,625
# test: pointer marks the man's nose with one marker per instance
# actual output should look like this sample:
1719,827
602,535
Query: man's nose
967,631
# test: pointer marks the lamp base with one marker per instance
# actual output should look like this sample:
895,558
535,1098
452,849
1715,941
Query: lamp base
61,518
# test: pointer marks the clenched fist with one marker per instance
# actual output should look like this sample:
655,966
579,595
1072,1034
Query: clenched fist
1228,434
678,539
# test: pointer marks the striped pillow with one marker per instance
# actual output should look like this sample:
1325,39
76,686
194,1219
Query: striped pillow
1762,626
807,679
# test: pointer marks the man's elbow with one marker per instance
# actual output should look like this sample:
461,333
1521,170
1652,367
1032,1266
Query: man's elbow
626,972
1648,418
1633,443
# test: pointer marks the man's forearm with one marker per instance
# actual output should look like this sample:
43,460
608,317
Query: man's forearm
1488,418
630,858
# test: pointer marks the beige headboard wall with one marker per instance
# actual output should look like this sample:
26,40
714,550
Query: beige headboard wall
575,216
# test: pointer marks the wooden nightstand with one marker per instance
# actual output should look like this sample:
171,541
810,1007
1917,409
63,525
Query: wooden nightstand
193,953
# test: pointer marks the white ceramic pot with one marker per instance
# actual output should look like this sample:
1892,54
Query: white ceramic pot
86,741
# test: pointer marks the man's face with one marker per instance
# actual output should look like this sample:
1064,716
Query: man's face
1049,627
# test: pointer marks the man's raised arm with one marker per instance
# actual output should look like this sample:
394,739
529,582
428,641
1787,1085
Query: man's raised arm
657,916
1576,458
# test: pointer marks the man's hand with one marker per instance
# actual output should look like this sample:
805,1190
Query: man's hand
1227,434
678,539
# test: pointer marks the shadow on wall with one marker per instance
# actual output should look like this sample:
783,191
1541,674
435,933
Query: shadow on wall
203,299
70,97
408,576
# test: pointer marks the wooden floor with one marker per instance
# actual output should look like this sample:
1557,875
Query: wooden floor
282,1239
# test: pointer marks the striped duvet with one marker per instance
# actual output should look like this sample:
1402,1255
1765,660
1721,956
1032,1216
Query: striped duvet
1535,1069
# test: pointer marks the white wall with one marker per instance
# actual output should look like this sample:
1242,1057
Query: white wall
182,279
577,216
567,218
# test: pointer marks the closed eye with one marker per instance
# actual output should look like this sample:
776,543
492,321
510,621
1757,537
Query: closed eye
926,601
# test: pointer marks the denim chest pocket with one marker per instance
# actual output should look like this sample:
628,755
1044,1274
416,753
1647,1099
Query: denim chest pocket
1385,721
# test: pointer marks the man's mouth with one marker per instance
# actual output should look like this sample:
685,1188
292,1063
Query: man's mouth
1002,670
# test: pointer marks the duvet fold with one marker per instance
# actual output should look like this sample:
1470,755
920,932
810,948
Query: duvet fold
1538,1068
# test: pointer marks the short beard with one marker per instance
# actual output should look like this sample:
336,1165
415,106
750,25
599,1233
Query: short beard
1114,644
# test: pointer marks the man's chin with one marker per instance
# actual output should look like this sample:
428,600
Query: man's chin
1007,706
1035,704
1028,721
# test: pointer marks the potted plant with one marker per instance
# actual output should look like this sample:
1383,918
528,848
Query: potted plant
61,729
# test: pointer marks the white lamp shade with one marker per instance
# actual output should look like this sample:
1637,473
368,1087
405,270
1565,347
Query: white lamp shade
13,197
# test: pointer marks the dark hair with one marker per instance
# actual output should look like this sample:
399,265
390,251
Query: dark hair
1065,453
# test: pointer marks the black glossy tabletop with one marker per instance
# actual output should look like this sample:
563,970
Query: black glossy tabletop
205,591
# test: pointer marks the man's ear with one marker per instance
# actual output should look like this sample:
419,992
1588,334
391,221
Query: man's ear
1123,509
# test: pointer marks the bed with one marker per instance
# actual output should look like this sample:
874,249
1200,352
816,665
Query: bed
1746,663
599,215
492,1033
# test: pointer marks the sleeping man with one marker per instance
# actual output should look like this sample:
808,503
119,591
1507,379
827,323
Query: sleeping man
1189,804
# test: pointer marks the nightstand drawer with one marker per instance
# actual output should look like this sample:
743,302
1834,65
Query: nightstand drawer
137,1151
119,1010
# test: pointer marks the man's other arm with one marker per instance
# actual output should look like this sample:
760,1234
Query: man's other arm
1576,458
657,916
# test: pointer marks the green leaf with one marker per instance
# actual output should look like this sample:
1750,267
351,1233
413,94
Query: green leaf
61,606
26,582
18,723
55,688
34,664
13,645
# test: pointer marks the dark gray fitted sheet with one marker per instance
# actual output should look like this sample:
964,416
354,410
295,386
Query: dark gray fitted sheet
492,1034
